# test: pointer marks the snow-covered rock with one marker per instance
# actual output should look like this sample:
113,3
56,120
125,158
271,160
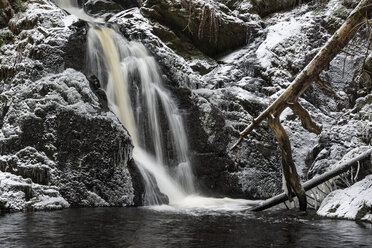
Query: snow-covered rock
57,136
17,193
351,203
56,131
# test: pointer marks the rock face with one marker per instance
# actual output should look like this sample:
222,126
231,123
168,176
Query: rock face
352,203
209,26
101,6
60,145
95,7
55,132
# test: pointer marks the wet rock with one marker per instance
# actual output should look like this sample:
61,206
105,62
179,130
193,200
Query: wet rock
199,62
138,184
205,24
102,6
74,50
126,4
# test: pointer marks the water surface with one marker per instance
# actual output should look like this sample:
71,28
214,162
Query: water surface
143,227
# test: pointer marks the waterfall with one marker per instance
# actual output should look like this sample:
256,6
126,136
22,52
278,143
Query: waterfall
136,95
133,84
72,7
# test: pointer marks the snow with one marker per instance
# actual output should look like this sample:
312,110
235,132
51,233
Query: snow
354,202
96,200
71,7
350,155
15,191
277,34
69,20
50,203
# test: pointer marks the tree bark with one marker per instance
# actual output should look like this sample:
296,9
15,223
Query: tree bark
292,180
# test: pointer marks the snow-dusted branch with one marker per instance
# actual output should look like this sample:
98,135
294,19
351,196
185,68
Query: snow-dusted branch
290,96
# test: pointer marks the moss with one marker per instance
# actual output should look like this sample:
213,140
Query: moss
5,15
19,6
6,38
6,73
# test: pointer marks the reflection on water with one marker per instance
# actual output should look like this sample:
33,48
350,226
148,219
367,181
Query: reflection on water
145,227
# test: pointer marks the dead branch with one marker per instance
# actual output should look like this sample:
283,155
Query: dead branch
334,45
327,88
305,118
290,96
366,156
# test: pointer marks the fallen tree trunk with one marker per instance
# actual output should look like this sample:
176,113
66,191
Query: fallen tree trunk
290,96
311,72
316,181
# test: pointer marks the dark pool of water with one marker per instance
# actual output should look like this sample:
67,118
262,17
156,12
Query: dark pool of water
140,227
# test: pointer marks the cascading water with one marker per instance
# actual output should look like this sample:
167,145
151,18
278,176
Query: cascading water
73,8
135,93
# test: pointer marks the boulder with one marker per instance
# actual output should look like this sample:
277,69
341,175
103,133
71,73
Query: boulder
17,193
353,203
57,132
210,27
102,6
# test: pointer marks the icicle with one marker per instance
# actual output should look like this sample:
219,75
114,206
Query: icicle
357,172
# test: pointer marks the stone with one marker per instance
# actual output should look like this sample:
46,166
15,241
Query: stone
102,6
353,203
206,25
67,140
17,193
